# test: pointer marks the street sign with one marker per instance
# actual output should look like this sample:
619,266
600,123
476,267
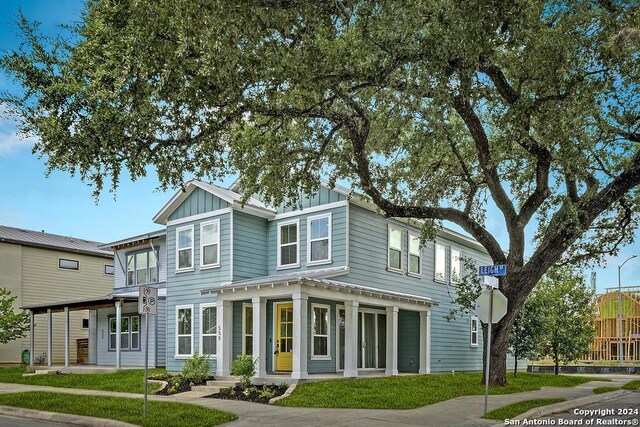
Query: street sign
147,300
483,306
492,270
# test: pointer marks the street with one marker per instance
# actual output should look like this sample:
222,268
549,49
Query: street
6,421
614,412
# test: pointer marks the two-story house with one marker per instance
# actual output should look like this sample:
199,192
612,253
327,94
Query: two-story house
333,287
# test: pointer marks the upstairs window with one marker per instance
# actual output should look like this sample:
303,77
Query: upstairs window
474,332
456,265
142,268
319,239
395,248
288,250
415,256
108,269
440,261
68,264
210,244
184,252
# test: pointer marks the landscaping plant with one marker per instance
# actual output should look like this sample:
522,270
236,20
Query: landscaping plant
244,367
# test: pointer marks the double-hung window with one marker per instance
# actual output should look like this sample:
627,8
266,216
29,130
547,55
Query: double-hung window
184,248
209,333
395,248
474,331
142,268
320,331
210,244
288,247
456,265
440,261
184,329
319,239
247,329
415,256
129,332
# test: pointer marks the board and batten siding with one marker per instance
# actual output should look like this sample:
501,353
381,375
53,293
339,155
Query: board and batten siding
249,246
198,202
120,261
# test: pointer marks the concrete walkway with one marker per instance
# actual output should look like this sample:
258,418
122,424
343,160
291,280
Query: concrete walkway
461,411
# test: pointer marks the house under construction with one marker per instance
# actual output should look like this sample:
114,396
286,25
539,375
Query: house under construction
605,344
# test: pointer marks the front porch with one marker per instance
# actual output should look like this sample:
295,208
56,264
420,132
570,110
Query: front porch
314,328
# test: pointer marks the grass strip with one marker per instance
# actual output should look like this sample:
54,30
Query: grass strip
128,380
160,414
409,392
515,409
633,385
600,390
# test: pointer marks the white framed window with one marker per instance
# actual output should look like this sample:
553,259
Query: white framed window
184,248
210,244
208,329
456,265
68,264
395,248
320,331
288,245
415,255
474,331
319,239
184,331
129,332
142,267
440,263
112,333
247,328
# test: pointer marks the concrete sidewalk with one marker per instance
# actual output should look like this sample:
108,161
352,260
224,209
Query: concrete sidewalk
461,411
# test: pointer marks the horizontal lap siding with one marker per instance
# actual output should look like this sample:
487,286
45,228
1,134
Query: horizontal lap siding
249,246
161,331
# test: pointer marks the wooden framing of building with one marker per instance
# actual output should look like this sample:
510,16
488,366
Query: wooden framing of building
605,345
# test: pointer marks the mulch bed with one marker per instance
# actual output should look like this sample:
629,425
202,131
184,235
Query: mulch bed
175,384
256,394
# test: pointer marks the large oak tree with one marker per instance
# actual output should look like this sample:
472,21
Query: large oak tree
432,108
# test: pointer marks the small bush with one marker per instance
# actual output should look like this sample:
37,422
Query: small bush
196,369
244,367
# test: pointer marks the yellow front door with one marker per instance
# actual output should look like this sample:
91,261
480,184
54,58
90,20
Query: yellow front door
284,334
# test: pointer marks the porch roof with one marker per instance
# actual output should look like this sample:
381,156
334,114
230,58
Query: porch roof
74,305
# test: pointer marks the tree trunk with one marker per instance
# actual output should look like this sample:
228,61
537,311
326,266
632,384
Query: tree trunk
557,364
498,357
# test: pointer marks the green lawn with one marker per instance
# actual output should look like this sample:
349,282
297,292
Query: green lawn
600,390
518,408
633,385
128,410
408,392
130,380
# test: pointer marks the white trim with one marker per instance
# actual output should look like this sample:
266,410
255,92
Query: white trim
393,227
178,308
309,240
231,239
347,237
216,264
315,356
205,215
246,305
451,265
337,332
312,209
297,243
474,319
201,334
411,235
177,252
435,263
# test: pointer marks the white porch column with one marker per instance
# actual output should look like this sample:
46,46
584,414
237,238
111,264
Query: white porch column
300,344
49,337
392,341
118,335
351,343
32,334
66,337
260,335
224,317
425,342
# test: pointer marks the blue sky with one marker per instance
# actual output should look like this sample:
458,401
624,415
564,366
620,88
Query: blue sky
63,205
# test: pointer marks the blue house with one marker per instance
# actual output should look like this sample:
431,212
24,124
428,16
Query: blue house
333,287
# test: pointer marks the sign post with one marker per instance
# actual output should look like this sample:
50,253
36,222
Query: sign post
147,304
491,306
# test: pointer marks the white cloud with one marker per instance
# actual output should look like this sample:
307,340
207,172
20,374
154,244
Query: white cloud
10,140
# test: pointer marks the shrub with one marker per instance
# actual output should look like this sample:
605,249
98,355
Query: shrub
196,369
245,367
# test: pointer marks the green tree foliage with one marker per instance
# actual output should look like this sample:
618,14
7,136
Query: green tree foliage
567,310
527,333
12,325
431,108
244,367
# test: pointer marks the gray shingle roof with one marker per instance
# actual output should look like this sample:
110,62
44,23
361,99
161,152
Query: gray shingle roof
51,241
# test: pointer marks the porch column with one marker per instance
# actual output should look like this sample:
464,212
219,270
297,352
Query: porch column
300,344
224,317
49,337
351,343
93,337
118,335
260,335
392,341
32,333
425,342
66,337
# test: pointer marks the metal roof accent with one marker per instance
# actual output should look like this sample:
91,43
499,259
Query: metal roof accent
134,240
41,239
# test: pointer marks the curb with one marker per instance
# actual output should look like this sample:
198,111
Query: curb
56,417
286,394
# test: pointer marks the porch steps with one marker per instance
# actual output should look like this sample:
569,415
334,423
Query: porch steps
211,387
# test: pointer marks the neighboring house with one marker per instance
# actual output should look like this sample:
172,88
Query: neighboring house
41,268
333,287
